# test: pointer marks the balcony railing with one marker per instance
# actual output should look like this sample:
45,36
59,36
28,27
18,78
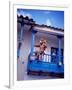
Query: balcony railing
46,58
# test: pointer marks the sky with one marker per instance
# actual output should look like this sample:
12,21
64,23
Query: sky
47,17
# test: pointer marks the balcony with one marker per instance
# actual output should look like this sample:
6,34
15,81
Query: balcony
47,64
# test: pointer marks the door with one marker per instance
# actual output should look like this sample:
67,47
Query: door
54,54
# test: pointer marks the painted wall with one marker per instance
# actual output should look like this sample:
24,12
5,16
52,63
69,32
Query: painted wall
24,52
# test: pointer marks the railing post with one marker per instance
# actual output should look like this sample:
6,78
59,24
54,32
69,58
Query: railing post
33,40
59,49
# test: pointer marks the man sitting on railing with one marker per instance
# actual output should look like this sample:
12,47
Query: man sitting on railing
42,47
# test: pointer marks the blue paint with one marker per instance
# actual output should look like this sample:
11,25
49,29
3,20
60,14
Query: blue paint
34,65
21,33
18,52
59,49
46,67
18,49
33,41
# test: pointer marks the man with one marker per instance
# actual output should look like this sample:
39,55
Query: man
42,47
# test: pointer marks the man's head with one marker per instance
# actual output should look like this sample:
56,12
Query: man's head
43,41
43,44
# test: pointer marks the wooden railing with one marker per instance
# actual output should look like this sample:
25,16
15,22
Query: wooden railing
46,58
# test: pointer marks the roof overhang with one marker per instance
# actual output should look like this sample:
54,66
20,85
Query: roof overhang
48,30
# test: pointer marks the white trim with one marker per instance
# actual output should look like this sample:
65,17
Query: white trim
11,47
51,31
